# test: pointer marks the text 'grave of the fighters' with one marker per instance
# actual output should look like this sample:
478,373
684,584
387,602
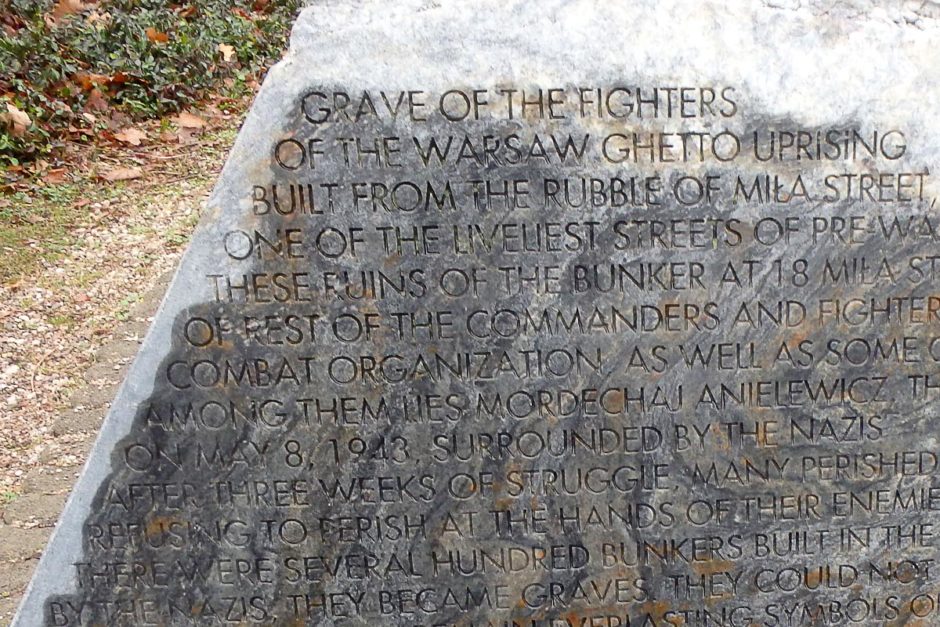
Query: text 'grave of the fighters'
520,322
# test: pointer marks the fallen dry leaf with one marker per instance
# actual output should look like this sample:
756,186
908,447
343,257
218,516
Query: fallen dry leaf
56,176
132,136
17,121
228,52
122,174
96,101
100,20
189,120
89,81
156,36
38,166
117,121
64,8
187,136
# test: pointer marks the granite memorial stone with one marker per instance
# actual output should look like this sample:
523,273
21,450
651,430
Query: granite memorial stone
542,314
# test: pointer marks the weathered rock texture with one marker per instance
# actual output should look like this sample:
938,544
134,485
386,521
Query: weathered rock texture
555,313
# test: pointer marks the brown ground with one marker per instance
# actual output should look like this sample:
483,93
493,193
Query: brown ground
71,322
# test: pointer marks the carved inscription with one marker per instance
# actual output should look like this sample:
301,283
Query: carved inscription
585,355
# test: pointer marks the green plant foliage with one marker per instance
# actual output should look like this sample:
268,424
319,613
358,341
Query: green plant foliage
145,58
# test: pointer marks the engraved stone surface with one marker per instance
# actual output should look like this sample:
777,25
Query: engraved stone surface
558,313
